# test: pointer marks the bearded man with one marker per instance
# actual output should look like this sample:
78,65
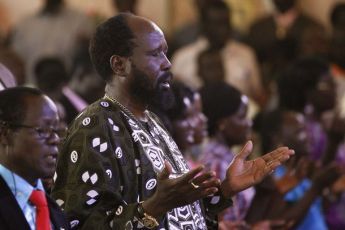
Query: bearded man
118,167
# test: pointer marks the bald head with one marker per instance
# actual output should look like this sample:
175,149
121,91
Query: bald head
140,25
7,80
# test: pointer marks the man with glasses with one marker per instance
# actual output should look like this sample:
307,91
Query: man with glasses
28,151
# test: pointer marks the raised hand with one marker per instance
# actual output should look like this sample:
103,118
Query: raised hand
339,185
176,192
243,173
327,176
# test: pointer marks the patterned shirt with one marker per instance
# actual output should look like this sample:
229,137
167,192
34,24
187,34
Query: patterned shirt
217,156
109,162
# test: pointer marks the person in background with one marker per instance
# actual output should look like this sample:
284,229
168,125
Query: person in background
240,65
307,86
210,66
335,208
295,192
228,125
125,5
28,153
288,34
85,85
53,31
119,167
188,124
188,33
52,76
337,16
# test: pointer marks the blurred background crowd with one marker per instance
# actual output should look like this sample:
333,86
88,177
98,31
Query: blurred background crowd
272,71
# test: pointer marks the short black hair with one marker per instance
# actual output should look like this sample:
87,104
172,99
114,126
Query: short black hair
13,104
50,73
299,78
112,37
213,5
219,100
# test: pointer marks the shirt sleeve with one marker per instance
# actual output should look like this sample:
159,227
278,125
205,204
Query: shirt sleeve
213,206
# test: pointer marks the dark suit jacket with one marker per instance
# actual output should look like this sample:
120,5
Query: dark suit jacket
12,217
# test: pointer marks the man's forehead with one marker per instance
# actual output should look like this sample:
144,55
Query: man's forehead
40,103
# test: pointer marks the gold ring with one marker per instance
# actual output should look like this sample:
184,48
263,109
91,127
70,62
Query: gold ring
194,185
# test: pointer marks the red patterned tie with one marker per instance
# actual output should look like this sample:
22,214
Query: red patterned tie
38,198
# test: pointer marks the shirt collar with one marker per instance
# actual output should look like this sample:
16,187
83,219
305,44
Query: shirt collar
20,188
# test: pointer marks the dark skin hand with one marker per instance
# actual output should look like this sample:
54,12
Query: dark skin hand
176,192
243,173
326,176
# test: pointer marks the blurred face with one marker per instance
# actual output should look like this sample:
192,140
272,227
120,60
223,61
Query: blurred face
237,127
323,97
217,27
32,156
293,132
191,128
183,127
211,67
150,68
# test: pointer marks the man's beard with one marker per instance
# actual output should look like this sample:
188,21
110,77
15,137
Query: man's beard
150,93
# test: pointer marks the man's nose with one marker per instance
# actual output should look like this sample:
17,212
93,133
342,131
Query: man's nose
54,139
166,64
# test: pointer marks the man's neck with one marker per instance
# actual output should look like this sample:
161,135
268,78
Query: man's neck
123,97
19,172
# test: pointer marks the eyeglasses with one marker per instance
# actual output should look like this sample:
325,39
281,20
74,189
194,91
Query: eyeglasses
43,132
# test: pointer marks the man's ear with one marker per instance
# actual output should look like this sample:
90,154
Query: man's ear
119,65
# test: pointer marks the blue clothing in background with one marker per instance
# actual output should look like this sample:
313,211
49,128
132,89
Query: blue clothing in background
314,218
